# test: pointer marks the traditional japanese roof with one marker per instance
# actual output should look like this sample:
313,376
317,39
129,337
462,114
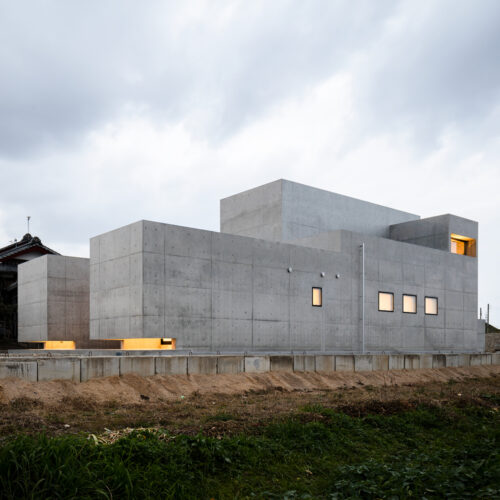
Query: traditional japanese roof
27,244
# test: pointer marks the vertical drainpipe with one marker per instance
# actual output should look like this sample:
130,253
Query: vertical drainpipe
363,298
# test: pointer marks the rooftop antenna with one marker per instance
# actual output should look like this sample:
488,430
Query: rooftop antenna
28,219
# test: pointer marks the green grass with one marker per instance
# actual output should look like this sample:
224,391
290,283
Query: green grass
425,453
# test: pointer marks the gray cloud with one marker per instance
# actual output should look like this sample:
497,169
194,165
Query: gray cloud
439,68
69,67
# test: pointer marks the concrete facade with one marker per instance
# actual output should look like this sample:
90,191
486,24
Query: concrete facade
53,302
402,268
213,291
434,232
251,290
287,211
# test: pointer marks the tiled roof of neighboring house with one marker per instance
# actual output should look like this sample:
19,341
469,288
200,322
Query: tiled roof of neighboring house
27,244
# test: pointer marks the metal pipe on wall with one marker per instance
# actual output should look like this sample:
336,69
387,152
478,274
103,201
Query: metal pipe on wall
363,298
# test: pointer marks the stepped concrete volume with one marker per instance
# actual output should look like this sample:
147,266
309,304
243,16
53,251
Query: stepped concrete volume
294,268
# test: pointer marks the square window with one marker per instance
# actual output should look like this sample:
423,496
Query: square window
386,301
458,246
317,297
463,245
431,305
410,304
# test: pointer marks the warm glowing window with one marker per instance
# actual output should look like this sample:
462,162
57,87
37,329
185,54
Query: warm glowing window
59,344
462,245
147,344
317,297
386,301
431,305
457,246
410,304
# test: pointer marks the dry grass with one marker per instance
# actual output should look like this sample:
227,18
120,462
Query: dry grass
219,414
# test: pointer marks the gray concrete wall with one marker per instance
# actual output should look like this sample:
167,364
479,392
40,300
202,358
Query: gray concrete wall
82,369
402,268
481,336
256,212
287,211
213,291
434,232
26,370
32,300
409,269
53,301
308,211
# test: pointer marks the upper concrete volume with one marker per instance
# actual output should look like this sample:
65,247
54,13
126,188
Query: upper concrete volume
287,211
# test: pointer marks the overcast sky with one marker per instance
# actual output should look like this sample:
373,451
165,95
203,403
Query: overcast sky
115,111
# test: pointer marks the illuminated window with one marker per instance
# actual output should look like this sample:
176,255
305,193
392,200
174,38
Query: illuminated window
386,301
410,304
317,297
457,246
431,305
462,245
147,344
59,344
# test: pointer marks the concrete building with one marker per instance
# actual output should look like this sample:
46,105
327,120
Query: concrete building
27,248
294,268
53,303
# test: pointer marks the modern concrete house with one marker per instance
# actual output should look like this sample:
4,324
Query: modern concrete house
294,268
53,303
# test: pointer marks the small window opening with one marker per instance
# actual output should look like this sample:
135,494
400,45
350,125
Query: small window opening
431,306
317,297
59,344
462,245
145,344
386,301
410,304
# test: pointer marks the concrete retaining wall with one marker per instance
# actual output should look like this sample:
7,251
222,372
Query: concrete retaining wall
144,366
99,367
172,365
230,364
81,369
26,370
59,369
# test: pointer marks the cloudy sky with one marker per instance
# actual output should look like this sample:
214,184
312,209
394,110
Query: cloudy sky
115,111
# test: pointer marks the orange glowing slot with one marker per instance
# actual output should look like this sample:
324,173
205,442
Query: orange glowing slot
59,344
147,344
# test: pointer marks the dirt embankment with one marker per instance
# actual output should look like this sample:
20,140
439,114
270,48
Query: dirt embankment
130,389
228,404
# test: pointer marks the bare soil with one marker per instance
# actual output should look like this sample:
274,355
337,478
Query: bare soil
230,404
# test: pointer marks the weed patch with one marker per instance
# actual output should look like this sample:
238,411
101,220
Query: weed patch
420,452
